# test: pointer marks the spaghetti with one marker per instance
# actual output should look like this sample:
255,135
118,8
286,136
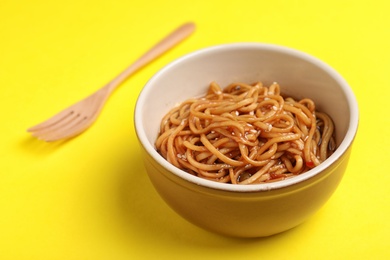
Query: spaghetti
245,134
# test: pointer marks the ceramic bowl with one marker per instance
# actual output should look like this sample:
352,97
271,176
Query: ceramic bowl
246,210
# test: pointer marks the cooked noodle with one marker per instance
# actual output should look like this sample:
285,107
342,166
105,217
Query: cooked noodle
245,134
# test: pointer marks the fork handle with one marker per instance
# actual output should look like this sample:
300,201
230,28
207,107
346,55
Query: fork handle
161,47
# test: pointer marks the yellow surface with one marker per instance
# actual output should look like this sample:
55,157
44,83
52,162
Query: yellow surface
89,198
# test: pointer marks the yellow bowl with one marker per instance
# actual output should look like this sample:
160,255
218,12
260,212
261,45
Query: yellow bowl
246,210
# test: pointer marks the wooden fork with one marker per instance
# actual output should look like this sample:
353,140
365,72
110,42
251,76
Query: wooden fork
78,117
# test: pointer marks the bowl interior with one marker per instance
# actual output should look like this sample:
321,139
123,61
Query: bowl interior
298,74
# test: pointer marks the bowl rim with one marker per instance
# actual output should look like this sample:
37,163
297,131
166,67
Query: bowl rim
342,148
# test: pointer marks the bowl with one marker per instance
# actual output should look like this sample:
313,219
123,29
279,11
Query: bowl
256,210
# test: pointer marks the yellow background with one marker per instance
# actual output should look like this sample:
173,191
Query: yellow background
89,198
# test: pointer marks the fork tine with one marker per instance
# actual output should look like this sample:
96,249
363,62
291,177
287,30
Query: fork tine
63,123
76,127
51,121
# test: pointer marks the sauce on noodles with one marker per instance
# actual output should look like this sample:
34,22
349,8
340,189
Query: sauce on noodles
245,134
